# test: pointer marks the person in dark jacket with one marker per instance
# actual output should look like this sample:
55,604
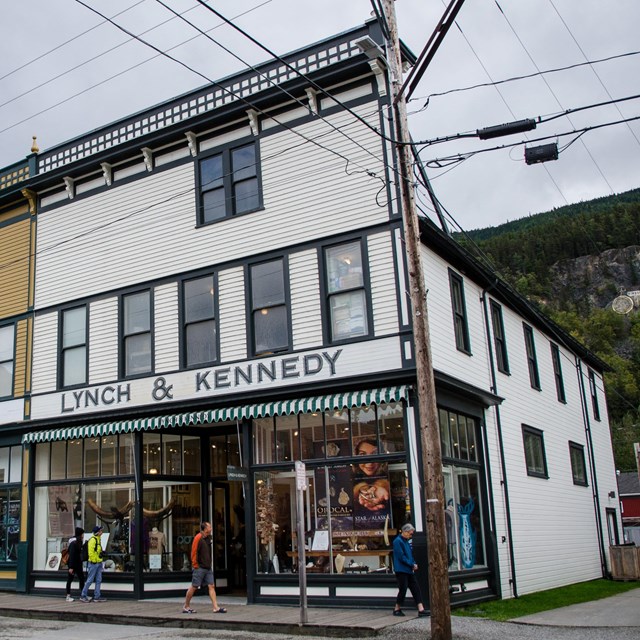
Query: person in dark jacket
74,563
203,570
405,567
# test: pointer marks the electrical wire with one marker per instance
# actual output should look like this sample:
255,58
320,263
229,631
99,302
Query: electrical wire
516,78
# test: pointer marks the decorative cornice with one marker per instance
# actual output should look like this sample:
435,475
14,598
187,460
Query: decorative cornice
32,200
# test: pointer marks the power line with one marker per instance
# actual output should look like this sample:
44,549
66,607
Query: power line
516,78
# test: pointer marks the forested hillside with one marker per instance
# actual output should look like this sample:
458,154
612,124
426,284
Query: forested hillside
572,262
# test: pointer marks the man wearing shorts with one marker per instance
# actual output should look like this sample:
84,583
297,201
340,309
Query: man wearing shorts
202,552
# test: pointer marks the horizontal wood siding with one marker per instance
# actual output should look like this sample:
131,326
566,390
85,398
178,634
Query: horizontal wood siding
103,341
473,368
306,314
45,352
384,298
166,330
233,318
146,229
15,248
20,364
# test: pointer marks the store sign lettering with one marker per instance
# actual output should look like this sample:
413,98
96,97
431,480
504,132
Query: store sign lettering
101,396
294,367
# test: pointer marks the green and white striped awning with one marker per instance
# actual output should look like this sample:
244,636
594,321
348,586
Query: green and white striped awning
194,418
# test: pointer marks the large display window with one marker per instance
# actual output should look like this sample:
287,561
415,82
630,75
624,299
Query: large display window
10,474
464,518
357,494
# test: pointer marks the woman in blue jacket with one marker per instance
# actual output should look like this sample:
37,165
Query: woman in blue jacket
405,567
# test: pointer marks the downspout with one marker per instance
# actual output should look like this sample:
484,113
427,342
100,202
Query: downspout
503,466
592,471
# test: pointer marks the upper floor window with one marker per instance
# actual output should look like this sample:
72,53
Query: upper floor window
594,395
229,183
269,307
557,372
460,322
199,321
73,346
578,466
534,453
347,297
499,339
532,360
7,355
136,333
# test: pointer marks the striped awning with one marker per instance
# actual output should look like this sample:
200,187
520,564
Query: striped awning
194,418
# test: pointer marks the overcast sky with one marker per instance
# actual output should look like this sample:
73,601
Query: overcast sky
65,71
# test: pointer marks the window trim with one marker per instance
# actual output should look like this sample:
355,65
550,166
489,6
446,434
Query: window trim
460,316
12,360
594,396
574,446
536,433
122,336
557,373
499,338
182,314
251,333
532,358
327,296
62,349
226,152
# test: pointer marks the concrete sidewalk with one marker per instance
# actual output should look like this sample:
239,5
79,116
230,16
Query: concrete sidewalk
618,611
622,610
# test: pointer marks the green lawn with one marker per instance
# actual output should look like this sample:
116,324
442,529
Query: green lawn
545,600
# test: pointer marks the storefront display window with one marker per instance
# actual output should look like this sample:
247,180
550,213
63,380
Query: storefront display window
462,492
10,474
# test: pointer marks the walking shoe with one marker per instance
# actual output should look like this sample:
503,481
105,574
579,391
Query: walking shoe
188,610
85,599
423,614
69,599
398,612
100,599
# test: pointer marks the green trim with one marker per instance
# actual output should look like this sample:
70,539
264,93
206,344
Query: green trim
265,410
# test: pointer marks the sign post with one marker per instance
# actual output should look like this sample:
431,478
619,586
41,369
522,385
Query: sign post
301,486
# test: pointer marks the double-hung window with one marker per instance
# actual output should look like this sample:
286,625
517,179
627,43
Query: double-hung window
499,339
578,465
200,332
269,307
534,453
229,183
7,356
532,360
136,333
594,395
347,296
557,372
73,346
458,306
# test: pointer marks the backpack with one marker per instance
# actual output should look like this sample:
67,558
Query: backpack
194,550
84,554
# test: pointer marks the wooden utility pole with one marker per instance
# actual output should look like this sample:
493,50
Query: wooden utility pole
439,603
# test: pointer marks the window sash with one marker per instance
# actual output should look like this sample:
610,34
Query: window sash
200,327
534,452
7,349
532,361
269,308
74,346
458,307
137,341
594,395
557,372
500,343
578,464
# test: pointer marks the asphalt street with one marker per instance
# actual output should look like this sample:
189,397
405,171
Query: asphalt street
412,629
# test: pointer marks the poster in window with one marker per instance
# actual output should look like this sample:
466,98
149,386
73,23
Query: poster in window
371,502
61,500
53,561
339,501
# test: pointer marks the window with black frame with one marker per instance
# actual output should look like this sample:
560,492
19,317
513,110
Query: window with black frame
593,388
7,356
136,333
532,359
10,502
557,373
199,317
73,346
229,183
459,308
346,291
534,452
358,495
578,465
464,500
499,338
269,307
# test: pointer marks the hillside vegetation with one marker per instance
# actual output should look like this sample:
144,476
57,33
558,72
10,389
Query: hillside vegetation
572,262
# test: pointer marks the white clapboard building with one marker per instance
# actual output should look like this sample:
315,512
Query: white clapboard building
221,292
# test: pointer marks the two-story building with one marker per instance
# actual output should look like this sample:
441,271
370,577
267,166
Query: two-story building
221,291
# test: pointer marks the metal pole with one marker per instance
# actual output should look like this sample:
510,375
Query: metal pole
302,562
439,603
